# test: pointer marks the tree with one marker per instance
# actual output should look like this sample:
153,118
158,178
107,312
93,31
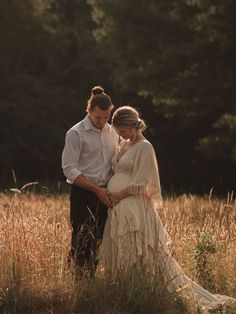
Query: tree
31,127
49,62
179,55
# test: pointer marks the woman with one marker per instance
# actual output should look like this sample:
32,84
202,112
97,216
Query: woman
134,235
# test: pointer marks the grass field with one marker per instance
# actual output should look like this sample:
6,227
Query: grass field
35,237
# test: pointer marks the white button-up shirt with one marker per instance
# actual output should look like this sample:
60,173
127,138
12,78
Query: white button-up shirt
89,151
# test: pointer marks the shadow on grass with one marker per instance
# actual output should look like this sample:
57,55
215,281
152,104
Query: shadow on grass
130,294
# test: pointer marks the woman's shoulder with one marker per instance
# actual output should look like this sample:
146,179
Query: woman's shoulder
144,147
146,144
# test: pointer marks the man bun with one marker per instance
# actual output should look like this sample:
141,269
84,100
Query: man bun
99,99
97,90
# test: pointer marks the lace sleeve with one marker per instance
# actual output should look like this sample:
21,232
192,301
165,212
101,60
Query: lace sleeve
145,180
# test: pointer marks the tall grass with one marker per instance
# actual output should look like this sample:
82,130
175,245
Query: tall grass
34,242
190,217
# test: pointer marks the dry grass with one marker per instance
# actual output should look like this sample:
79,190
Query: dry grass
187,217
35,237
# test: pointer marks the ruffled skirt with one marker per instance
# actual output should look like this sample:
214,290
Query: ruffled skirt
134,236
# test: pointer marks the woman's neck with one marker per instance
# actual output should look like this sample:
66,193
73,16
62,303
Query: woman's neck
136,139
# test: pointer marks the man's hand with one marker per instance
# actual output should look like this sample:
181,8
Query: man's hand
104,195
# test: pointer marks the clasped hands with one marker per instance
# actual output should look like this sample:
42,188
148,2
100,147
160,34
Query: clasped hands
108,198
114,198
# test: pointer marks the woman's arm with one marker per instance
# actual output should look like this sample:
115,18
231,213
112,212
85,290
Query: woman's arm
145,180
116,197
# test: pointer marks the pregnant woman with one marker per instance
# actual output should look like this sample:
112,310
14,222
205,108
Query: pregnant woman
134,236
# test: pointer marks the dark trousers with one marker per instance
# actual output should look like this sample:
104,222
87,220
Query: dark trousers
88,216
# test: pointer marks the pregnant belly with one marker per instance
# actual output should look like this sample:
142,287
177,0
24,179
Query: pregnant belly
118,182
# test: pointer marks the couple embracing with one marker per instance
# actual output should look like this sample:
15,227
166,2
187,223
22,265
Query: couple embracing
115,197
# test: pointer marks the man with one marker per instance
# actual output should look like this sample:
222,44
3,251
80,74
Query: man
86,162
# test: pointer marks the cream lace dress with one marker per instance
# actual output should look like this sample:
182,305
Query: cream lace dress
134,234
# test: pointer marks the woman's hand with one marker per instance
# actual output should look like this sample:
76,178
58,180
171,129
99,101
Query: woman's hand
115,197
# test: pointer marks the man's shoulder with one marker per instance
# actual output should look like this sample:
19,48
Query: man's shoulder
77,128
109,128
110,131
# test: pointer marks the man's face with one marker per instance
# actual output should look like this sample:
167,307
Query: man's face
99,117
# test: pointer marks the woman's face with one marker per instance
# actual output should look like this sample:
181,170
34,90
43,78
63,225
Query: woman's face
125,132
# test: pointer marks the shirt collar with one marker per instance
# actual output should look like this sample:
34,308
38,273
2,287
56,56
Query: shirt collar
89,126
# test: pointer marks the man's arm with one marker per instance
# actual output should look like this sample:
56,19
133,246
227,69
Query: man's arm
71,155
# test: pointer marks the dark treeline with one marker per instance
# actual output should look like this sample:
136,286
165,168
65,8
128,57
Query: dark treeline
172,60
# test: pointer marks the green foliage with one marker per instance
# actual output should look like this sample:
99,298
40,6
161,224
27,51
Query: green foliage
203,252
46,73
172,60
179,55
223,144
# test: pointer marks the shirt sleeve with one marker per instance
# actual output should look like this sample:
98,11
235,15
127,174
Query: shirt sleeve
71,154
145,180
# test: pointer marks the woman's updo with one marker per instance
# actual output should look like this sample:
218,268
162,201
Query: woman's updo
99,99
127,116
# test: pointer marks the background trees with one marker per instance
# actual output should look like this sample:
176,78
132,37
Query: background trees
174,61
180,56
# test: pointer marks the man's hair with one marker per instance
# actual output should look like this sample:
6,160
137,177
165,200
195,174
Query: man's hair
99,99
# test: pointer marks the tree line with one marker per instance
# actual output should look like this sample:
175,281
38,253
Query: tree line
174,61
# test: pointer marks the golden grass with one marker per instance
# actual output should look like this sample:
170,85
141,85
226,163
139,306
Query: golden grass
35,238
187,217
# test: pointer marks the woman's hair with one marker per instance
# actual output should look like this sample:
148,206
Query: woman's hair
127,116
99,99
